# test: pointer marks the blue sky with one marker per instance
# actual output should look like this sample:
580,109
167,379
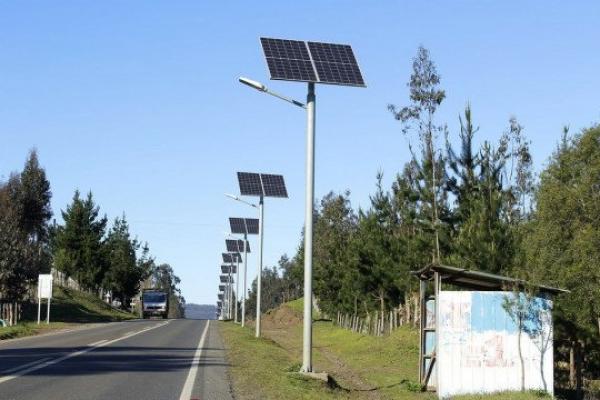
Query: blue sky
139,102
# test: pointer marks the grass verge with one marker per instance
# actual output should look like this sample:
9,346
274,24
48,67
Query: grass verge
363,367
261,369
30,328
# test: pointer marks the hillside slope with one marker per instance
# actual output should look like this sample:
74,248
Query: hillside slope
67,309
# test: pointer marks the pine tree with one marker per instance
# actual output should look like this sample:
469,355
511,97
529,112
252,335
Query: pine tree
78,245
34,197
426,96
126,272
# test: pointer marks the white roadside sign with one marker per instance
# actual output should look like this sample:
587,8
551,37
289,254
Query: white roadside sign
45,286
44,292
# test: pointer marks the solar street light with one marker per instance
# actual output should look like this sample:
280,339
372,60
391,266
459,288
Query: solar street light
262,88
252,84
310,62
261,185
244,226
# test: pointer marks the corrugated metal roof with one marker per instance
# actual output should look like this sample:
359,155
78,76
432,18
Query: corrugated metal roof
478,280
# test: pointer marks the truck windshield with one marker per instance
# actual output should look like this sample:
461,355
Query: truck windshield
154,297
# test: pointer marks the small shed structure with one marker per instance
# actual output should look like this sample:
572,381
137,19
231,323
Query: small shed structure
486,336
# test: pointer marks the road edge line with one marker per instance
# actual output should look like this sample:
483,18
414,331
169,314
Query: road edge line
188,386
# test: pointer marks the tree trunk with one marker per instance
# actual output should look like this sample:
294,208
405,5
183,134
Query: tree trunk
417,310
407,307
520,355
578,369
572,368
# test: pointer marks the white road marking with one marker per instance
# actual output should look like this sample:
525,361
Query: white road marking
186,392
97,343
10,371
41,365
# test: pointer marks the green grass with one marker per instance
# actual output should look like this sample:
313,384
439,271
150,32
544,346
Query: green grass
29,329
263,370
363,367
67,308
70,305
531,395
388,364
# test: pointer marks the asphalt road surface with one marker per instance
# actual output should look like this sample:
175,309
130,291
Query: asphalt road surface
152,359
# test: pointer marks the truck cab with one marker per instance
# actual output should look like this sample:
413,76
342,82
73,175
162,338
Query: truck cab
155,303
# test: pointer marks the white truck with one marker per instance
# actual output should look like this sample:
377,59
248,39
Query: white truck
155,303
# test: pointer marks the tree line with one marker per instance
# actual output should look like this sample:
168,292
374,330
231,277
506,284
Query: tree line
476,207
102,259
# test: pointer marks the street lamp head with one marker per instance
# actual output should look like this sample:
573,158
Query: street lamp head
232,196
253,84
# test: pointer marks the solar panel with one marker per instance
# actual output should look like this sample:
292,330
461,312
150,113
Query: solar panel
223,278
336,64
237,225
225,269
236,245
254,184
227,258
250,184
288,60
273,185
221,287
252,226
244,225
220,296
294,60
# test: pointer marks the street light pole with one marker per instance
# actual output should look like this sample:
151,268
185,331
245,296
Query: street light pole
261,220
237,286
230,294
245,274
308,228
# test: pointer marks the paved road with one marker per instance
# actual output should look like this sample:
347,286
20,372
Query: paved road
163,360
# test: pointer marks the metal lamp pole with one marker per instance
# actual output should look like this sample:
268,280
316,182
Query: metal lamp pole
261,221
237,287
308,216
245,274
308,228
229,294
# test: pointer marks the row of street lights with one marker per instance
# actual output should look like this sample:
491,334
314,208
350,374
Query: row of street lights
310,62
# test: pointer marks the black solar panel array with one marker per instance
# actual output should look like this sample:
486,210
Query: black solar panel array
288,60
252,226
225,269
221,287
273,185
244,225
234,246
268,185
294,60
335,64
250,184
223,278
227,258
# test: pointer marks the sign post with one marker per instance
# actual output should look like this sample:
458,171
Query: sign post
44,292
